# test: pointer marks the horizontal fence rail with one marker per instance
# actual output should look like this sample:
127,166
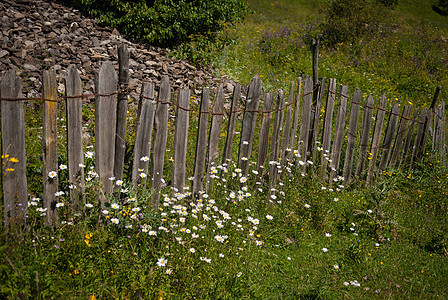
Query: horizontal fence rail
321,128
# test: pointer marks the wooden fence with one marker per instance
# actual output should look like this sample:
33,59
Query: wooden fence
309,132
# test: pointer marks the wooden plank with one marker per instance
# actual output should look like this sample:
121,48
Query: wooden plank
314,131
351,135
365,133
408,139
275,146
405,117
73,87
50,147
418,137
287,128
389,136
105,125
122,109
306,119
180,140
143,134
328,124
14,182
249,120
215,130
426,130
264,132
201,143
376,139
338,132
233,115
443,146
295,119
160,137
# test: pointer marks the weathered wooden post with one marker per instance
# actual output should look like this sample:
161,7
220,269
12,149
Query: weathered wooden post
215,130
122,108
14,183
233,114
264,132
249,120
180,140
49,147
201,144
143,134
105,126
73,90
160,137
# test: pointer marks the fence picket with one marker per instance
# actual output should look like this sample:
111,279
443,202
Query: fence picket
275,146
418,136
408,139
314,131
306,119
249,122
215,130
73,88
263,138
295,119
376,139
122,109
180,140
338,132
365,131
287,127
389,136
351,135
201,143
14,181
328,123
230,136
160,137
49,147
143,134
405,117
105,126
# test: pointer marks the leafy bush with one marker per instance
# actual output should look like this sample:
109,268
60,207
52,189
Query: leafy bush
165,22
441,8
346,20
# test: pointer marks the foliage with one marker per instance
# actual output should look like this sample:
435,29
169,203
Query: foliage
345,20
441,8
165,23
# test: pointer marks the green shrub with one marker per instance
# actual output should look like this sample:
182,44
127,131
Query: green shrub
164,23
346,20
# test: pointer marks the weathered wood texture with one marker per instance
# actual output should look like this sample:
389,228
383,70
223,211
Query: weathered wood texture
105,126
418,136
215,130
50,147
143,135
306,118
328,124
122,110
376,139
405,117
295,119
14,181
365,131
263,137
276,134
338,132
286,132
201,143
389,136
160,137
249,123
180,140
233,115
75,160
351,135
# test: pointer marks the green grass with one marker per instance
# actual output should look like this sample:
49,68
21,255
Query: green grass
406,62
310,240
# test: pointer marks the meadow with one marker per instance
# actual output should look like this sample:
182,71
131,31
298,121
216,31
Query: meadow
304,239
